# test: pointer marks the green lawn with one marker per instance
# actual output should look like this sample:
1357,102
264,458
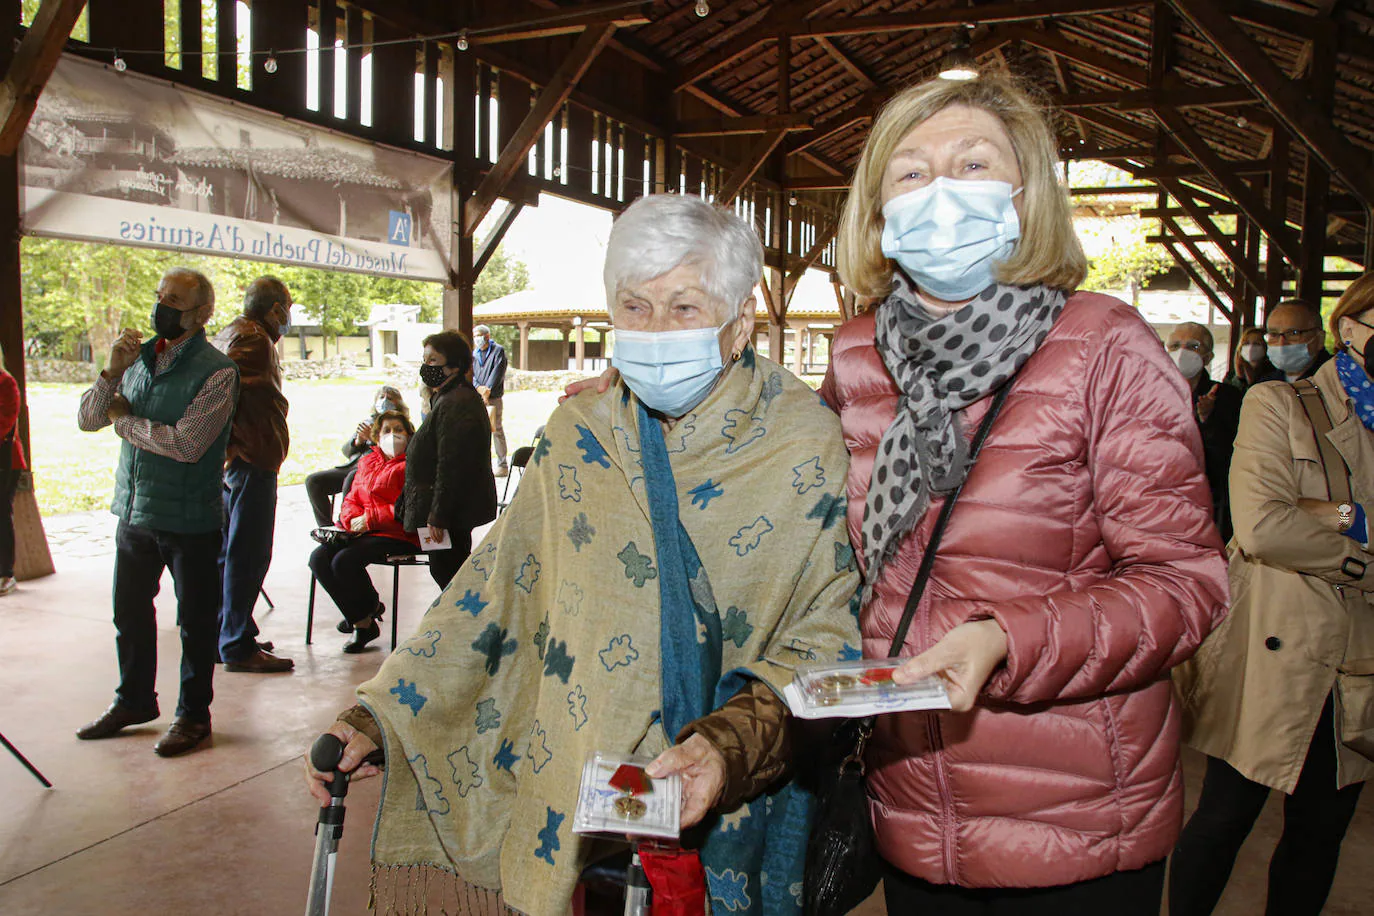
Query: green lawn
74,471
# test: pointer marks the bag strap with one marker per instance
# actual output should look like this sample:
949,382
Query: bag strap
1337,484
937,534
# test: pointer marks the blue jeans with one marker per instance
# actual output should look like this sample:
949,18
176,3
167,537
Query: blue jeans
250,515
140,556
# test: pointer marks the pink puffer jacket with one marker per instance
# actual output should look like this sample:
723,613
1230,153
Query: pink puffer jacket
1085,530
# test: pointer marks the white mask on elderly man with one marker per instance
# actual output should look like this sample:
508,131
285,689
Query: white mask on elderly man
1189,362
394,445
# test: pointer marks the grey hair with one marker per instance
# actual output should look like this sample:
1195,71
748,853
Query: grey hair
481,329
662,231
1201,329
205,290
264,294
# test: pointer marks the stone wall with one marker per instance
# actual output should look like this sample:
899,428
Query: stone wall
333,367
61,370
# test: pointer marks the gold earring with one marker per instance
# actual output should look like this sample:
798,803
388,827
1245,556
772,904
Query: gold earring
735,356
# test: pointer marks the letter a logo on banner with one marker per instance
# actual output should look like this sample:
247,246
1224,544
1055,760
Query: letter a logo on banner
398,232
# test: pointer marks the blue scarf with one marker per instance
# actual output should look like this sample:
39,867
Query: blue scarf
765,839
1357,387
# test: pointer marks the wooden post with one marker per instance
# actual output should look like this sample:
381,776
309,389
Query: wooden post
579,344
524,345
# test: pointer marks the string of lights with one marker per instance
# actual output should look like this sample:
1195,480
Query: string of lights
460,38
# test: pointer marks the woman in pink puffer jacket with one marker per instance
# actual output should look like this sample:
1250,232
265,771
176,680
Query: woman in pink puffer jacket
1081,562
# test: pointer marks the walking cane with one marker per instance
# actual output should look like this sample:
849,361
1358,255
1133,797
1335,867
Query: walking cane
325,755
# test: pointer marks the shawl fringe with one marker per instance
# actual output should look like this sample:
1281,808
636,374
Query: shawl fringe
418,890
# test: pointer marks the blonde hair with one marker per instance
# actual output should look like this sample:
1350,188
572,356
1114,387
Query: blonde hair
1054,258
1357,299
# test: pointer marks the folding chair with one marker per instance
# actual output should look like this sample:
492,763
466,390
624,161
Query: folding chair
395,562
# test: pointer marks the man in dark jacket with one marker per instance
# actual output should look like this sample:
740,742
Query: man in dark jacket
449,487
171,401
257,448
1217,409
1296,340
489,376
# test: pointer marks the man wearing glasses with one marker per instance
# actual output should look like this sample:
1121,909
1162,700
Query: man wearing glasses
1296,341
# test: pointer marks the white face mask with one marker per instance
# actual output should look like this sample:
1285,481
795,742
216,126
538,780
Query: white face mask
1253,353
1189,362
394,445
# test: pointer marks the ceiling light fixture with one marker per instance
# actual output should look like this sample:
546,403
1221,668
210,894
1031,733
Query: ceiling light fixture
959,64
703,9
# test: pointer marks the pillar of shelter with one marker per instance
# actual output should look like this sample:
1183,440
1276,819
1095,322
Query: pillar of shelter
798,346
579,345
524,344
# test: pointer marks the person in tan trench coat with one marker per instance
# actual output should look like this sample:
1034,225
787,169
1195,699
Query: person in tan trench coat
1276,689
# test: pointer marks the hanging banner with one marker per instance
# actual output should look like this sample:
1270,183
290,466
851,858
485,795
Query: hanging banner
123,158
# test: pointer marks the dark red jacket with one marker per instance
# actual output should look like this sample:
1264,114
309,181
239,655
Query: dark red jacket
260,435
376,487
1085,530
9,417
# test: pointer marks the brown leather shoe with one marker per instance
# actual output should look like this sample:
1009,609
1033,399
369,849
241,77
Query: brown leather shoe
114,720
261,663
183,736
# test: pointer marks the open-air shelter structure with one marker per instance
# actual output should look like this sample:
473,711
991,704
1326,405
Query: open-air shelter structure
1250,119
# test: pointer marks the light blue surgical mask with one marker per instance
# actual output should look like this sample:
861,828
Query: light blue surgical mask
670,371
1293,359
950,235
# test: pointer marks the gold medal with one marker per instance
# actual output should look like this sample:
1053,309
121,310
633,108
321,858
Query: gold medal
630,808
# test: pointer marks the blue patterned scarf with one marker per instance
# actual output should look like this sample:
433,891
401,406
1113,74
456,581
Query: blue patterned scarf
1357,386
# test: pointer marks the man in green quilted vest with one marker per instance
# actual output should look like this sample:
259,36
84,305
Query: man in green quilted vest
171,400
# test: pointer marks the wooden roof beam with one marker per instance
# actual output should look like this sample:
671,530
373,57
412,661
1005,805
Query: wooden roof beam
1220,279
32,65
956,16
1051,40
1224,243
849,64
557,21
493,239
1227,178
1177,95
1194,169
1288,101
550,101
779,20
733,126
1188,269
746,169
827,183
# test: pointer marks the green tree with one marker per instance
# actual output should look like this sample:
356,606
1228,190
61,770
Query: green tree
502,276
1127,266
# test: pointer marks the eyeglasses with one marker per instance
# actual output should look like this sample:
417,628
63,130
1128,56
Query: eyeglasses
1292,335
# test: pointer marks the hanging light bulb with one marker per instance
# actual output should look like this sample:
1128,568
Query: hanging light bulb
703,9
557,171
462,41
792,201
270,65
959,64
1242,123
119,63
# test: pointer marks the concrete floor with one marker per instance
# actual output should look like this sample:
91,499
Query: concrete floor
228,830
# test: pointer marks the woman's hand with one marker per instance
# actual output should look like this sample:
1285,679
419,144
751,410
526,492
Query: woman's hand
436,533
362,435
358,525
702,769
1323,511
356,747
964,659
602,383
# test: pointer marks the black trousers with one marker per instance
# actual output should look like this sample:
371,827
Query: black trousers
444,564
9,481
321,485
141,554
1125,893
1315,818
342,569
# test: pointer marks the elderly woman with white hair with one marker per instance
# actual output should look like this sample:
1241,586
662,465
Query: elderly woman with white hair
676,549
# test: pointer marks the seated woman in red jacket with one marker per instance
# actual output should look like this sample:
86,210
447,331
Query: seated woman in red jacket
369,516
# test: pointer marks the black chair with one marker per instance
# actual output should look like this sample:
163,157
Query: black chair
395,562
518,462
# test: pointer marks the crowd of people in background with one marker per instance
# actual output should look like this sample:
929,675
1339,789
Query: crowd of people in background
1137,482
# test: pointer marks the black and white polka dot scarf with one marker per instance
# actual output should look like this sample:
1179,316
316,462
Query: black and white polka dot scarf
941,365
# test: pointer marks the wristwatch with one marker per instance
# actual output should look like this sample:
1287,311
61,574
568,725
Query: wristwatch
1345,517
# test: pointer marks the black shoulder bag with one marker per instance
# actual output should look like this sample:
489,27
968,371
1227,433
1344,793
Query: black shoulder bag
842,864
